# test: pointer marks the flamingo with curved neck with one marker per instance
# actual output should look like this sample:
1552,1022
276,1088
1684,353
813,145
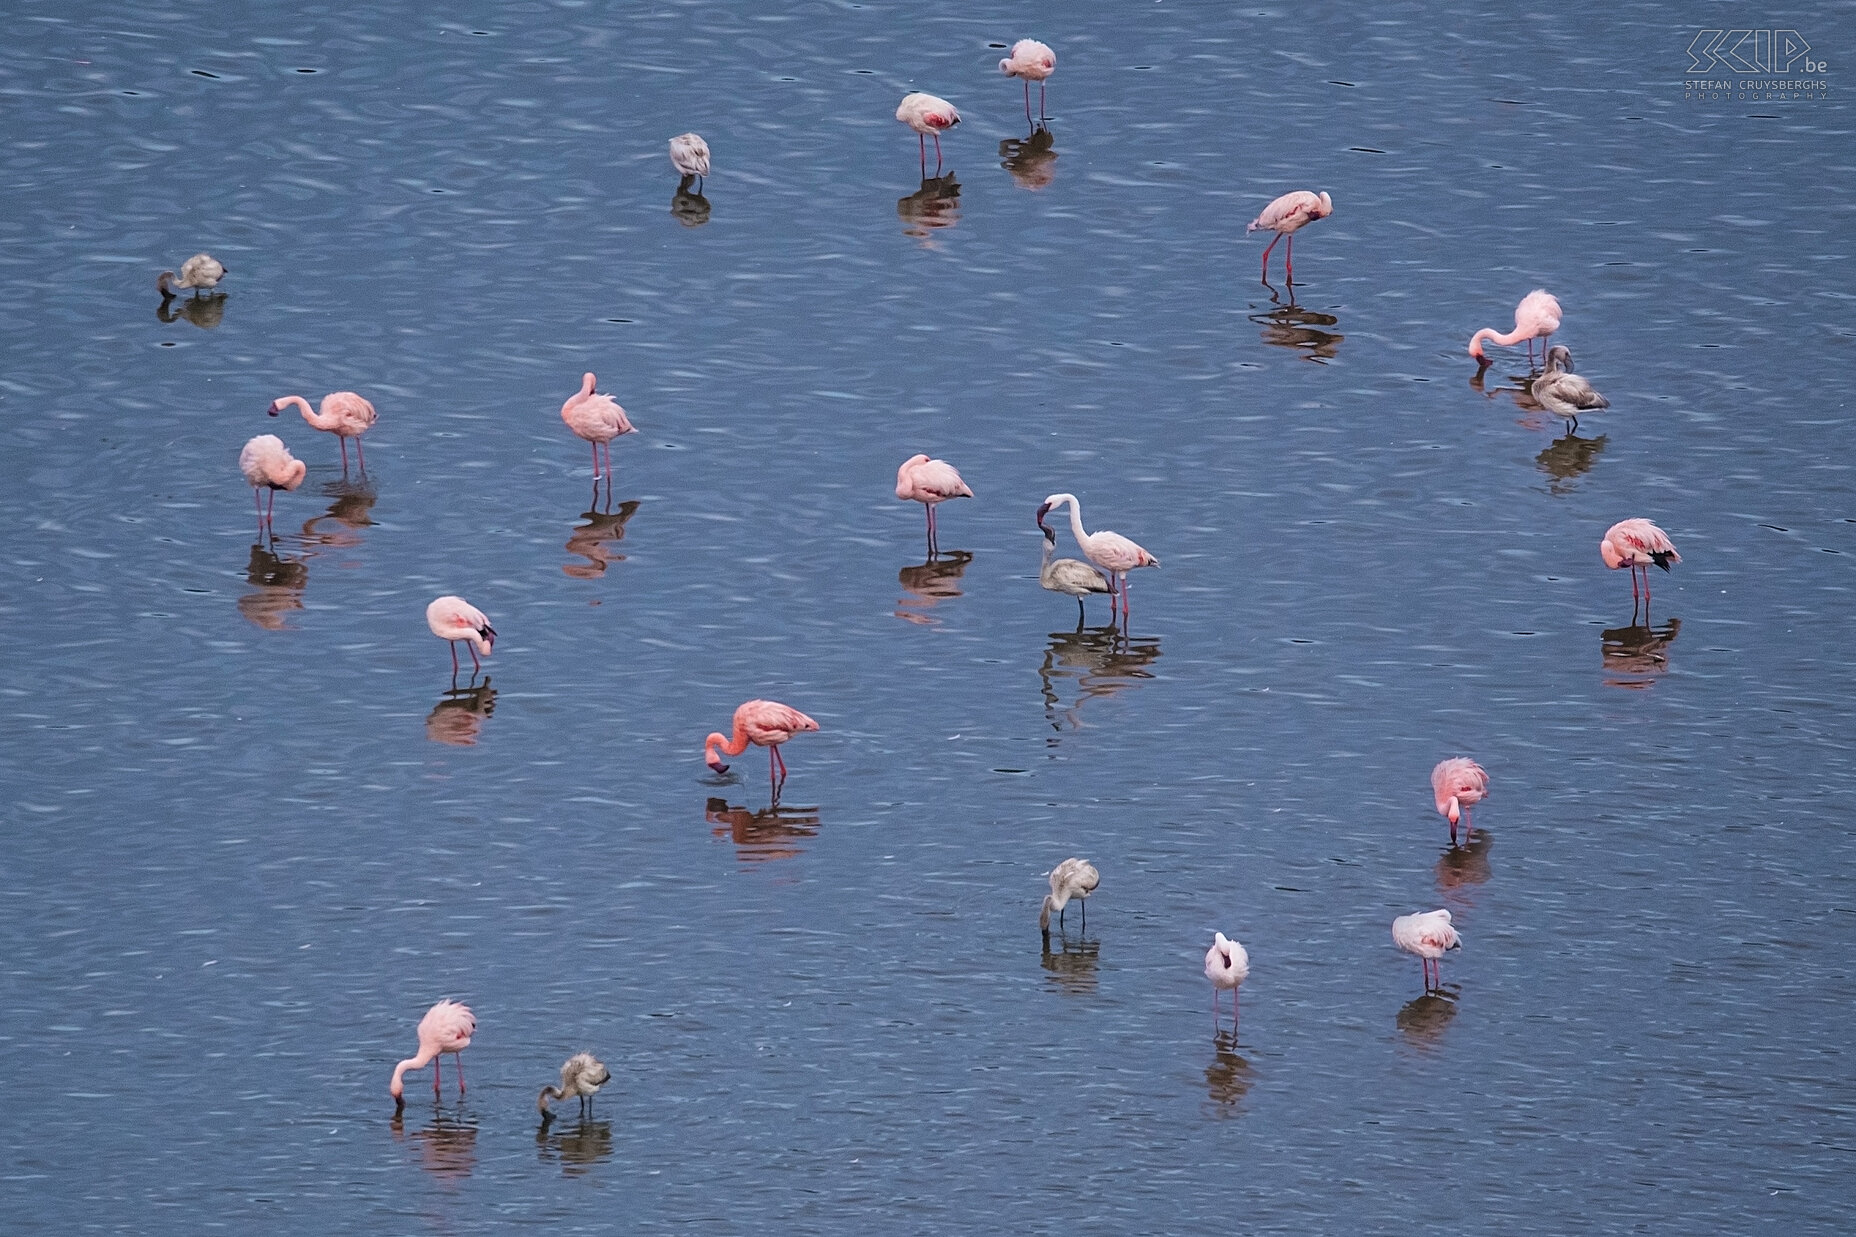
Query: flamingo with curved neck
1536,317
343,413
446,1027
764,723
1112,552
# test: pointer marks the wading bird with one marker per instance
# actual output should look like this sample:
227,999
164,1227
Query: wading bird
1286,216
1226,965
582,1075
343,414
1455,784
764,723
1637,544
1073,878
1427,934
927,114
1069,575
446,1027
452,619
597,418
1035,62
1536,317
1112,552
202,270
1562,392
267,463
929,482
689,154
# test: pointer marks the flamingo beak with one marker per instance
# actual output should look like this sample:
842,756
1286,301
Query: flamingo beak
272,410
1043,510
718,766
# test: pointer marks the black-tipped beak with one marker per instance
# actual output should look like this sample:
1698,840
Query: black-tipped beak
1043,510
272,410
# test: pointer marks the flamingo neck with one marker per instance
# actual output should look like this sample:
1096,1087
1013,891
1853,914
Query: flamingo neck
399,1071
732,746
1044,915
1076,522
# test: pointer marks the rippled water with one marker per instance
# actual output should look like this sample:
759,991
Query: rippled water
255,831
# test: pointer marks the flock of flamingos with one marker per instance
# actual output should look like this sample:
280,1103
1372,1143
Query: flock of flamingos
1456,783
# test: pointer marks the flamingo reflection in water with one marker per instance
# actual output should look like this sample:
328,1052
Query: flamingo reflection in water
278,583
1071,968
1424,1019
1636,656
772,833
577,1147
1098,662
593,539
205,312
339,528
458,717
927,585
1293,327
936,205
447,1145
1567,459
1032,161
1459,867
1228,1077
689,209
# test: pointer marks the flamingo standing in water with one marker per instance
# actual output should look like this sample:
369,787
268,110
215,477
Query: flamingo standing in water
765,723
344,414
1067,575
1112,552
583,1075
1073,878
453,619
1227,966
689,154
1427,934
1035,62
267,463
1637,544
446,1027
925,113
202,270
1286,216
1562,392
1536,317
1455,784
929,482
596,418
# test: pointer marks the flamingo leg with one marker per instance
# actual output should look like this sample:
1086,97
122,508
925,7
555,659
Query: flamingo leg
360,454
595,447
454,658
438,1064
1085,906
1266,257
931,539
921,140
1041,115
270,506
1288,258
459,1058
937,153
1028,99
476,663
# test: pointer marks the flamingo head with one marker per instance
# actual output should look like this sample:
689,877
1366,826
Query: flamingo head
1050,534
1044,510
273,409
1452,811
489,634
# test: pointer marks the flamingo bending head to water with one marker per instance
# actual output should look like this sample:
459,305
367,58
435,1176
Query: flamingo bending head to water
202,270
1227,966
1067,575
689,154
582,1075
1073,878
929,482
1034,62
597,418
1112,552
1457,783
1637,544
1286,216
452,619
343,414
926,114
1429,935
764,723
1536,317
268,464
446,1027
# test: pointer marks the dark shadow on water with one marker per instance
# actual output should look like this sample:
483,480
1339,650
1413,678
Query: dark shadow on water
1072,967
1032,161
928,584
277,588
774,832
1568,459
1091,663
1228,1078
339,527
1424,1020
1460,867
576,1147
447,1145
934,206
458,717
1291,326
205,312
1636,656
593,540
689,209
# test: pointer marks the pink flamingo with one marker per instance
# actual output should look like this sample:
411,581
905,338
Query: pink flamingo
1112,552
765,723
1429,935
267,463
927,114
929,482
1536,317
1286,216
1035,62
452,619
1227,966
1455,784
344,414
596,418
1637,544
446,1027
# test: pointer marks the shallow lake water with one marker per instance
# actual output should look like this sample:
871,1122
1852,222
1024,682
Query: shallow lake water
254,830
